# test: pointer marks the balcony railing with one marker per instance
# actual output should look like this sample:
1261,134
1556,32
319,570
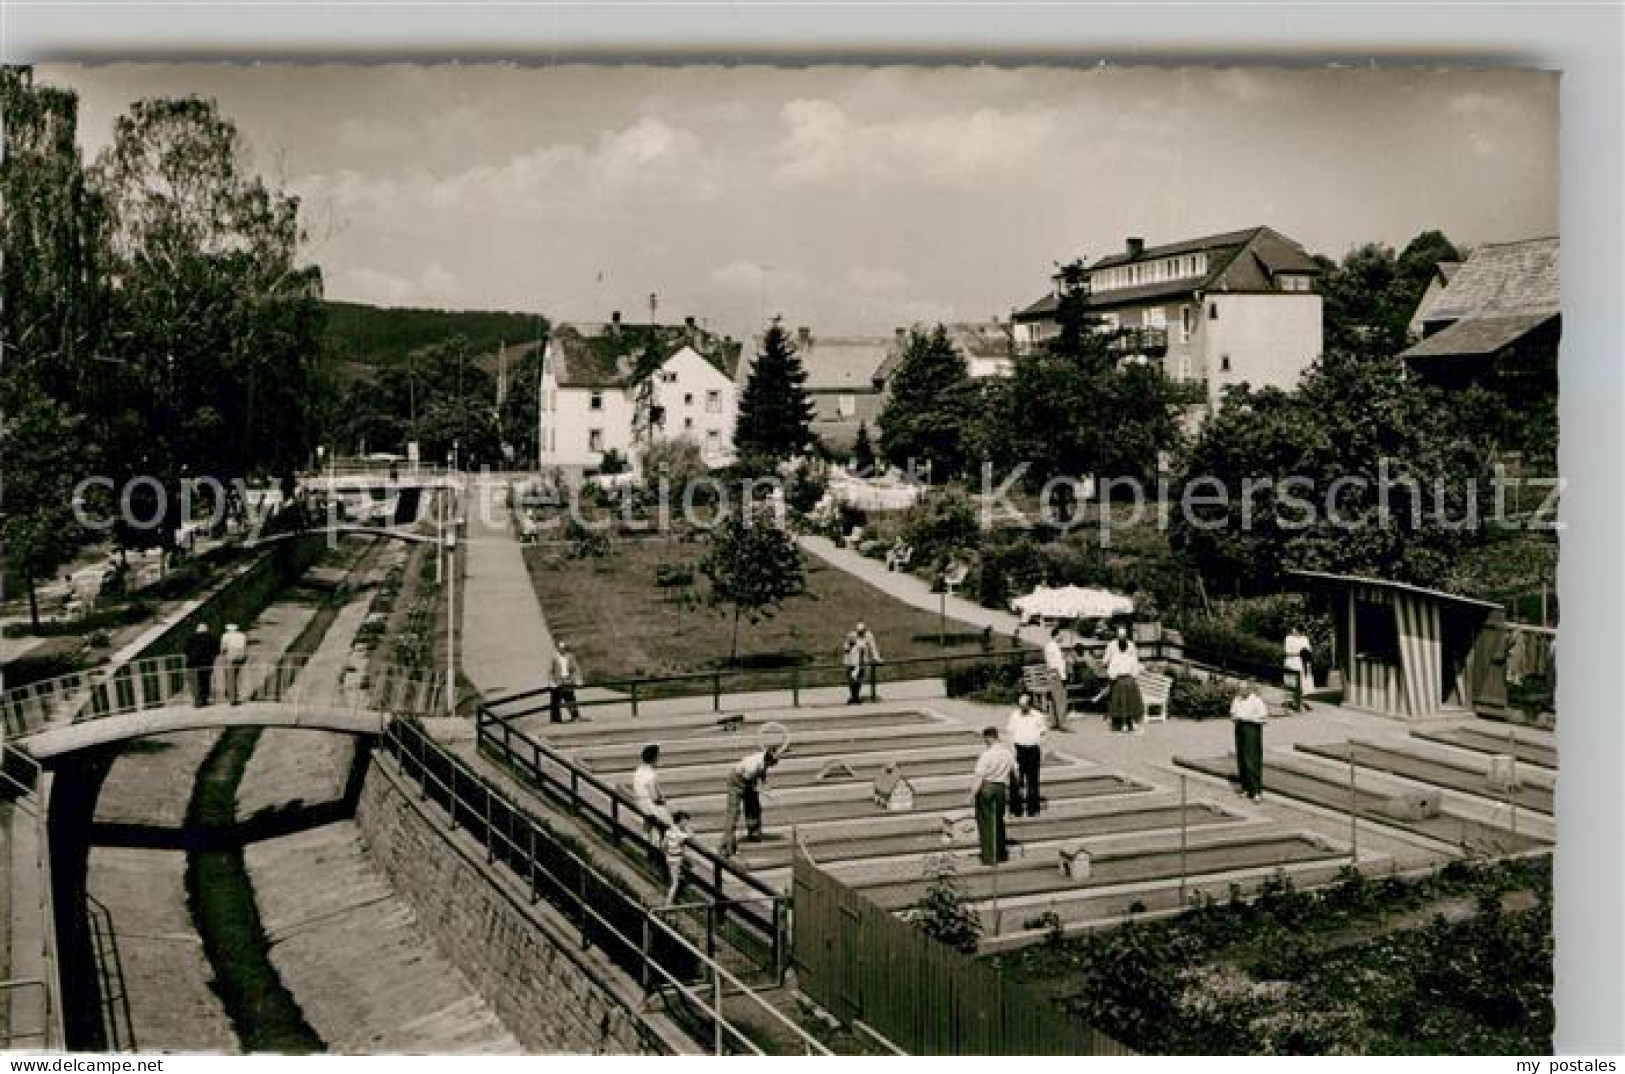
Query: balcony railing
1148,341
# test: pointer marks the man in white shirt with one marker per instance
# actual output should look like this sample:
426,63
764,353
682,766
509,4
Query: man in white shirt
234,648
988,784
1248,713
1059,671
566,677
745,782
1025,730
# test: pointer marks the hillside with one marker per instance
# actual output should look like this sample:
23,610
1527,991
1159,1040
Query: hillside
361,339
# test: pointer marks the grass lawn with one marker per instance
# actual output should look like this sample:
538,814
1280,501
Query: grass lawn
623,625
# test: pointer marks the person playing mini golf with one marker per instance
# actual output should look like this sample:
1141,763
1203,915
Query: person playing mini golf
745,783
989,786
1248,712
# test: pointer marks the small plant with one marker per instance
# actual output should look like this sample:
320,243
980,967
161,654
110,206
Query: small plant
944,912
673,575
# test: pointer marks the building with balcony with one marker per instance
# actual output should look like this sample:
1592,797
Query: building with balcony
1218,310
619,387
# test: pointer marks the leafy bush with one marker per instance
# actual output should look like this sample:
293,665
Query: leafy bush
613,463
1273,617
39,666
1216,640
940,525
587,543
1199,699
678,461
990,681
944,912
100,620
673,575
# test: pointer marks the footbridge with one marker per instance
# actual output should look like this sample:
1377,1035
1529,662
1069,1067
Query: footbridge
157,696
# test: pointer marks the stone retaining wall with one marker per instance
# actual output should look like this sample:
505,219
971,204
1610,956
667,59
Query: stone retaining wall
524,959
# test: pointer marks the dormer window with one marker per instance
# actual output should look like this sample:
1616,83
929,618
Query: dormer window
595,401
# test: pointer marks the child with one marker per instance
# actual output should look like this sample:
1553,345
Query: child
676,838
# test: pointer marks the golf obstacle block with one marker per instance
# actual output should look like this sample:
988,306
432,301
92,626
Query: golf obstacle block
893,792
731,723
1503,773
1410,805
1076,861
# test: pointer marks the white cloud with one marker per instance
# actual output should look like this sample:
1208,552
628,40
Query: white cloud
822,142
650,160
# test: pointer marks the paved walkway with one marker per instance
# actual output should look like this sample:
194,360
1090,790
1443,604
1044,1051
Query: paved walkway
907,588
505,645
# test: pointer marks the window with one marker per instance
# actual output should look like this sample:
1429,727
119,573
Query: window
688,423
847,406
713,442
1224,364
713,402
1185,324
1156,317
595,401
688,398
1213,311
1184,367
668,378
595,439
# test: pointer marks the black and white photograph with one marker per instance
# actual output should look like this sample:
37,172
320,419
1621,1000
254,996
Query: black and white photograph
848,558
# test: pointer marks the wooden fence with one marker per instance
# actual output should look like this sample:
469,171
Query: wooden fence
864,965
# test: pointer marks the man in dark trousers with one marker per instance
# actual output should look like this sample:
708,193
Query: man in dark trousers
201,650
989,785
1248,713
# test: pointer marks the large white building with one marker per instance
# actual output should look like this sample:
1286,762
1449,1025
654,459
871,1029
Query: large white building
619,387
1219,310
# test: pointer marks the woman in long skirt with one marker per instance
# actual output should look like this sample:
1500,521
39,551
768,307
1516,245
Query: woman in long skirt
1124,705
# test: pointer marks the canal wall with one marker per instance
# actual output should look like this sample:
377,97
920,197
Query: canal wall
525,959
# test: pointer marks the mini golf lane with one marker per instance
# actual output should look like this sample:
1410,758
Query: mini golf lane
678,782
1040,874
653,729
732,748
1047,828
1439,773
1481,740
1298,778
782,815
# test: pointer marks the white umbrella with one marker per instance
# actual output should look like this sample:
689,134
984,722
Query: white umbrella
1072,602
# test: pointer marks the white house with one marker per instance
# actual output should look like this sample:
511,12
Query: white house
619,387
1218,310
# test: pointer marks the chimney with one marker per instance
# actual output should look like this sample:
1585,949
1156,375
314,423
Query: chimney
804,336
901,334
1136,246
692,331
615,323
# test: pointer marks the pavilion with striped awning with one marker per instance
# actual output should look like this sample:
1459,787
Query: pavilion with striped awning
1403,650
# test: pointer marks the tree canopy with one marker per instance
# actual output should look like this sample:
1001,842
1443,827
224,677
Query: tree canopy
1353,422
932,405
775,415
1071,408
753,566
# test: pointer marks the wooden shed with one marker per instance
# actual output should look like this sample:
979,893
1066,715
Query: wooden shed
1403,650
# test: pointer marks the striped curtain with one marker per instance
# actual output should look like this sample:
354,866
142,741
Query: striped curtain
1420,648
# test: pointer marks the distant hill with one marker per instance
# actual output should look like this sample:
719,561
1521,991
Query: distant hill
362,339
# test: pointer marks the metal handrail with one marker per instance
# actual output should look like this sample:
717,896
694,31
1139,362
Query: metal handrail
634,691
518,854
621,820
118,1022
164,681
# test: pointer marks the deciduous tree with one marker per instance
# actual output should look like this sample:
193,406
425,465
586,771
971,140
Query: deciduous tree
753,567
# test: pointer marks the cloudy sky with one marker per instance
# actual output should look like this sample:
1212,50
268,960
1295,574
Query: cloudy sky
850,199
